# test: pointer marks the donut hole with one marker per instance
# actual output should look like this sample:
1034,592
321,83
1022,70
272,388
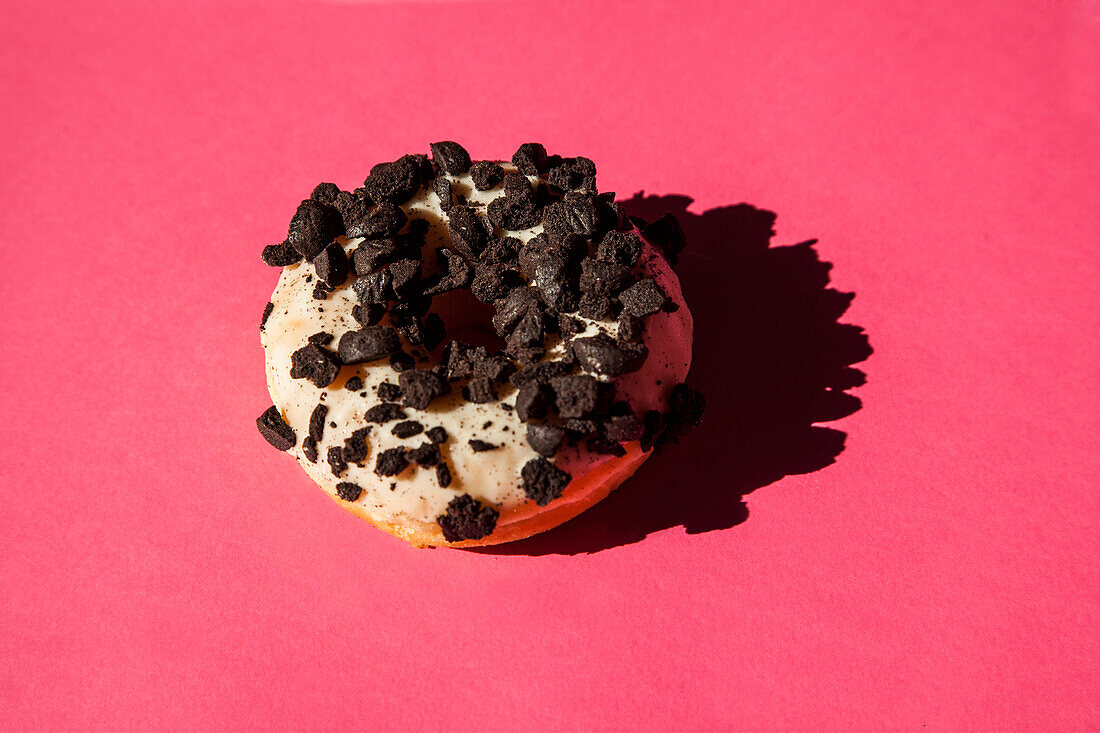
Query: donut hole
468,319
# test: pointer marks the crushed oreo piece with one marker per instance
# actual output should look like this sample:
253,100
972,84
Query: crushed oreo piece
331,265
457,274
407,429
336,461
541,373
317,422
280,255
450,157
377,287
545,439
268,309
320,366
368,344
543,481
467,519
313,226
389,392
348,491
420,386
596,307
325,193
391,462
630,327
643,298
486,175
532,401
372,254
578,396
368,314
511,308
437,435
468,232
623,248
320,338
480,446
603,278
426,455
601,354
384,413
355,446
568,326
309,449
443,190
443,475
394,182
275,430
530,158
479,390
354,384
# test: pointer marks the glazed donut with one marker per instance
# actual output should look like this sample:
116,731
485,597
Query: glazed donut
470,353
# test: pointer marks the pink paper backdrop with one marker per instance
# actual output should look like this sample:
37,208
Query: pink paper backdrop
162,567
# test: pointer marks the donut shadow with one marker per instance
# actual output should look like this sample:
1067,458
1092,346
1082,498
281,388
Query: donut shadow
772,359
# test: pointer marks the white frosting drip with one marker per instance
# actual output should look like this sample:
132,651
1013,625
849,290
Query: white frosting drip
490,476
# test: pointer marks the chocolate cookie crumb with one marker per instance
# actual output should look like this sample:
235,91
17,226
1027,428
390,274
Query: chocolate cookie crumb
437,435
331,265
443,475
419,387
348,491
530,159
601,354
385,412
426,455
368,344
317,422
354,384
309,449
467,519
355,446
407,429
313,227
391,462
543,481
389,392
275,430
545,439
316,364
267,314
336,461
280,255
479,446
643,298
479,390
450,157
486,175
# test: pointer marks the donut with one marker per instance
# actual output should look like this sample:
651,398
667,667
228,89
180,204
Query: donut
468,353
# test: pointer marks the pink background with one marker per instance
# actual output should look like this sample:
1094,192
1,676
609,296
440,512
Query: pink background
162,566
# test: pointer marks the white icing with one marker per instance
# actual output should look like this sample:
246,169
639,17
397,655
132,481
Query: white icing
490,476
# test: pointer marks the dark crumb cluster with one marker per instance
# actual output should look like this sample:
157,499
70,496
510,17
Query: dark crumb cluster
467,519
585,261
